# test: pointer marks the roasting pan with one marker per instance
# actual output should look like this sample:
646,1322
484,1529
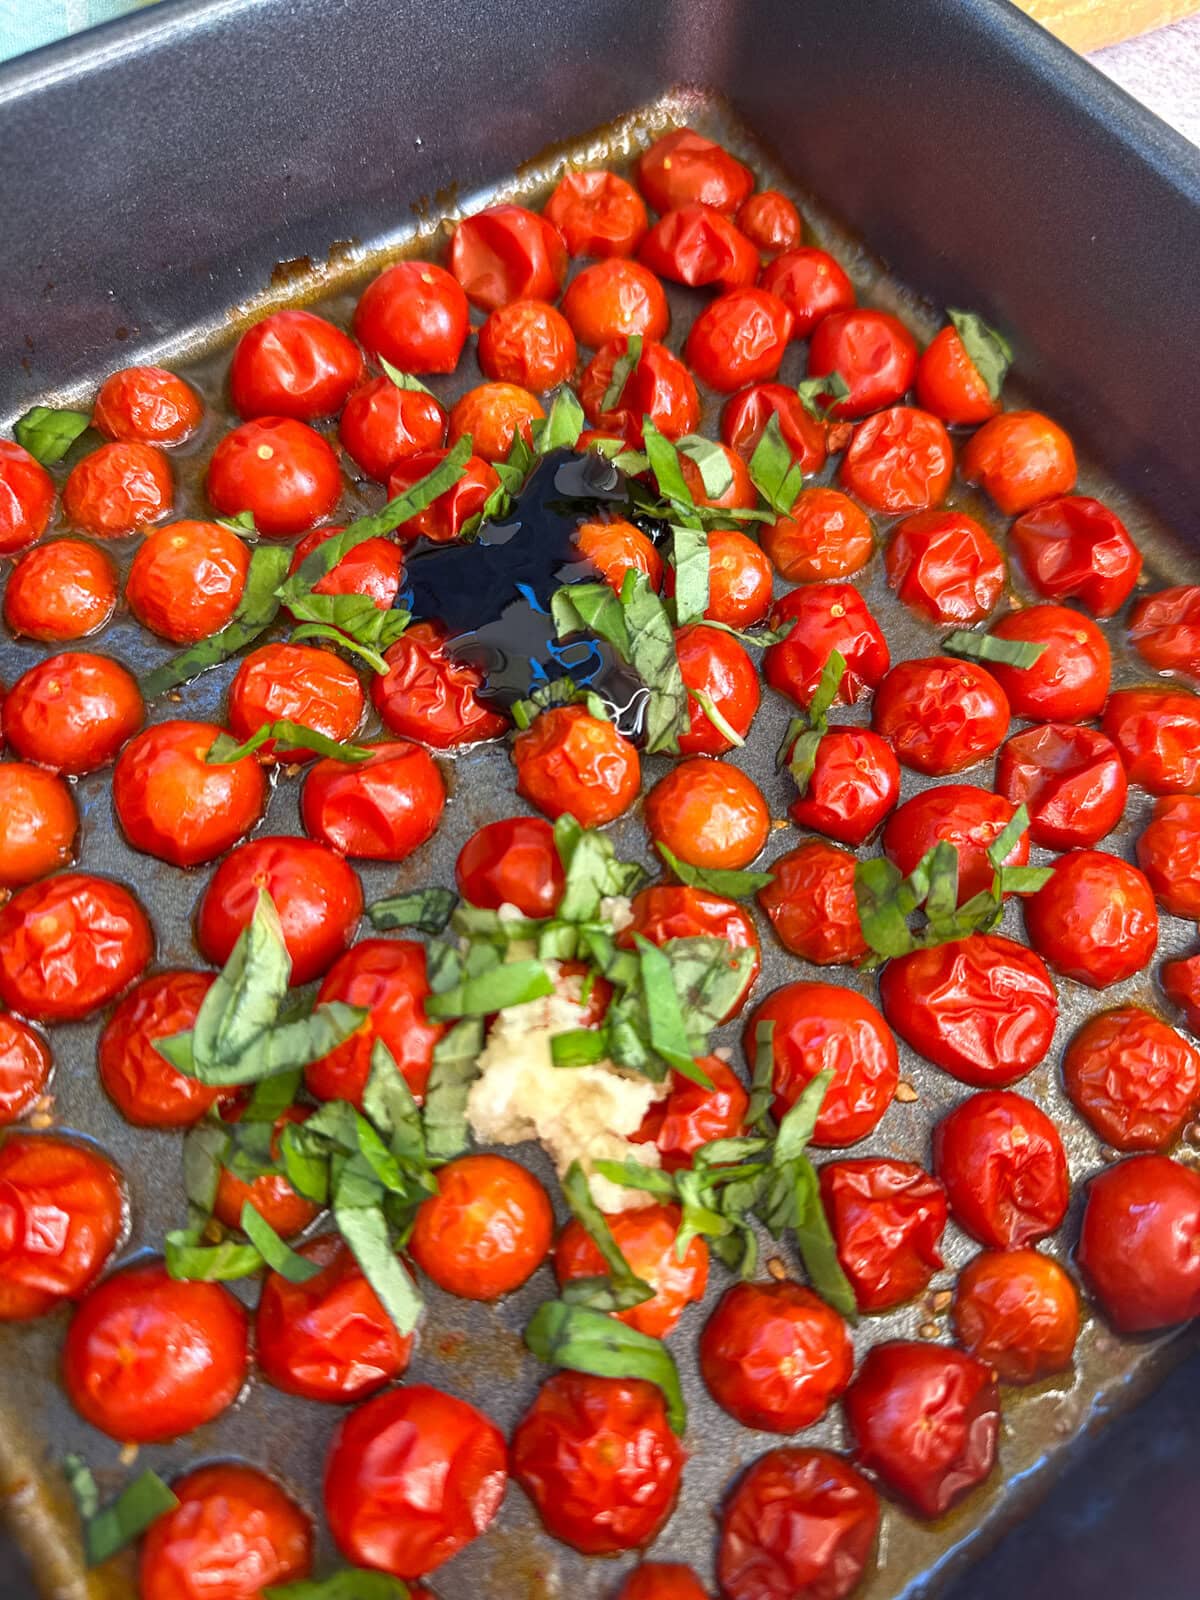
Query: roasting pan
167,177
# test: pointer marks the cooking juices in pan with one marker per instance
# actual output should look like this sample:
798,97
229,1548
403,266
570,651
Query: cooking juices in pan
504,665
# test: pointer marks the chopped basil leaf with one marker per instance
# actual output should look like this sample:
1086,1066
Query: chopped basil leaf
512,983
663,456
689,557
811,726
592,871
187,1258
716,716
365,1230
1009,837
48,432
426,910
578,1195
813,390
990,352
107,1530
205,1146
762,1088
558,692
561,429
827,688
632,1174
710,977
270,1099
991,647
243,523
715,472
403,380
351,1583
455,1068
82,1484
800,1119
623,370
668,1031
590,1341
225,749
277,1254
816,1244
717,880
256,611
774,471
592,608
579,1047
344,638
1024,880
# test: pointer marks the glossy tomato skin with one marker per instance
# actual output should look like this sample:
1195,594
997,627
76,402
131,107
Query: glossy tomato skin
294,683
24,1069
1069,778
414,315
61,591
659,387
383,423
816,1026
411,1478
529,343
1164,629
1018,1311
826,536
318,897
1139,1243
293,364
811,284
811,904
450,512
671,911
282,471
959,814
388,978
597,213
982,1008
513,861
1074,548
118,489
72,712
1019,458
233,1533
941,715
172,804
373,568
740,579
708,814
69,945
925,1419
62,1213
148,1357
745,416
613,300
381,809
599,1461
886,1218
1181,985
1168,852
946,567
684,168
26,498
647,1238
775,1356
873,351
1134,1080
571,762
854,784
1157,731
148,404
692,1115
429,695
617,547
491,415
146,1088
270,1194
662,1580
770,221
713,663
486,1230
1002,1163
900,461
821,618
1069,681
38,823
949,384
1094,920
187,579
739,338
506,253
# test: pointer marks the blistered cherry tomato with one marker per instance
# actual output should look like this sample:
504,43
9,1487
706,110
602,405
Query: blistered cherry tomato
506,253
1019,458
812,906
714,664
1133,1079
449,513
775,1356
318,898
270,1194
373,568
708,814
739,338
529,343
293,364
1164,629
770,221
294,683
659,386
854,784
671,911
811,284
698,246
599,1461
1002,1163
925,1419
826,536
173,804
647,1239
62,1212
950,385
382,423
872,350
149,1357
598,214
1074,548
1018,1311
415,316
1069,680
118,489
514,862
147,404
945,566
487,1229
662,1580
388,978
24,1072
1070,779
740,493
1181,985
1139,1243
941,715
146,1088
26,498
280,470
187,579
492,414
69,945
886,1218
429,695
571,762
1094,920
820,619
38,823
381,809
615,300
970,819
745,416
899,461
61,591
617,547
72,712
692,1116
739,579
1157,732
683,166
1168,852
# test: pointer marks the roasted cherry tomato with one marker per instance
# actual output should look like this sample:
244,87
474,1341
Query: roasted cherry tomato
658,386
26,498
381,809
647,1238
683,167
1020,458
294,683
692,1116
671,911
1133,1079
1157,732
899,461
388,978
146,1088
774,1355
1181,985
429,695
487,1229
708,814
1018,1311
713,664
415,316
739,338
72,712
982,1008
187,579
173,804
739,578
571,762
62,1213
411,1478
1002,1163
770,221
118,489
959,814
149,1357
373,568
147,404
950,385
514,862
811,284
61,591
24,1072
945,566
826,536
318,898
744,419
740,495
617,547
925,1419
820,619
599,1461
293,364
598,214
1168,852
454,508
1069,680
812,906
506,253
529,343
38,823
491,415
1074,548
1164,629
816,1026
662,1580
383,423
886,1218
873,351
941,715
854,784
1094,920
270,1194
69,945
615,300
280,470
1070,779
1139,1243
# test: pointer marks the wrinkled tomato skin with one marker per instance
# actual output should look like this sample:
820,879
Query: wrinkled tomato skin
26,498
667,911
373,568
172,804
145,1087
647,1239
826,536
387,978
712,662
1074,548
708,814
819,1026
873,351
293,364
824,617
454,508
381,809
62,1213
69,945
1157,732
968,818
597,213
415,316
328,1338
148,404
38,824
382,424
24,1069
925,1419
692,1116
1069,681
683,168
745,415
617,547
1181,985
430,696
1164,629
800,1523
740,579
148,1357
1002,1163
187,579
1134,1080
569,762
486,1231
318,897
854,784
949,384
529,343
982,1008
599,1461
506,253
233,1534
775,1356
61,591
118,489
899,461
1094,920
615,300
513,861
282,471
491,415
770,221
1168,852
697,246
811,904
660,387
662,1580
811,285
1019,458
1070,779
1139,1243
412,1477
886,1218
72,712
1018,1311
941,715
294,683
739,338
945,567
270,1194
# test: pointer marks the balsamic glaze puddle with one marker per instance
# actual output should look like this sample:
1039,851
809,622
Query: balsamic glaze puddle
494,593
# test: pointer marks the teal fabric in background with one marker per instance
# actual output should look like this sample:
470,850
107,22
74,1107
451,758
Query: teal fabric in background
25,24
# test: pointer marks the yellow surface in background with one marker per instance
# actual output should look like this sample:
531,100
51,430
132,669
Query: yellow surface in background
1092,24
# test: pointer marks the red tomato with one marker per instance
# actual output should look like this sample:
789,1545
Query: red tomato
318,898
270,1194
825,617
1133,1079
941,715
147,404
293,364
770,221
1018,1311
775,1356
854,784
744,419
692,1116
148,1357
1164,629
949,383
659,387
415,316
529,343
1094,921
740,495
69,945
799,1523
812,906
1157,732
982,1008
1069,681
280,470
1002,1162
1168,852
1181,985
118,489
1070,779
647,1238
328,1338
72,712
1074,548
708,814
26,498
61,591
24,1072
374,567
572,762
506,253
597,213
617,547
388,978
1020,458
968,818
899,461
514,862
450,512
430,695
714,664
614,300
946,567
486,1231
925,1419
187,579
1139,1243
232,1535
739,338
740,580
147,1089
294,683
683,167
816,1026
872,350
381,809
172,804
667,911
662,1580
491,415
37,824
383,423
411,1478
62,1213
599,1461
886,1218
